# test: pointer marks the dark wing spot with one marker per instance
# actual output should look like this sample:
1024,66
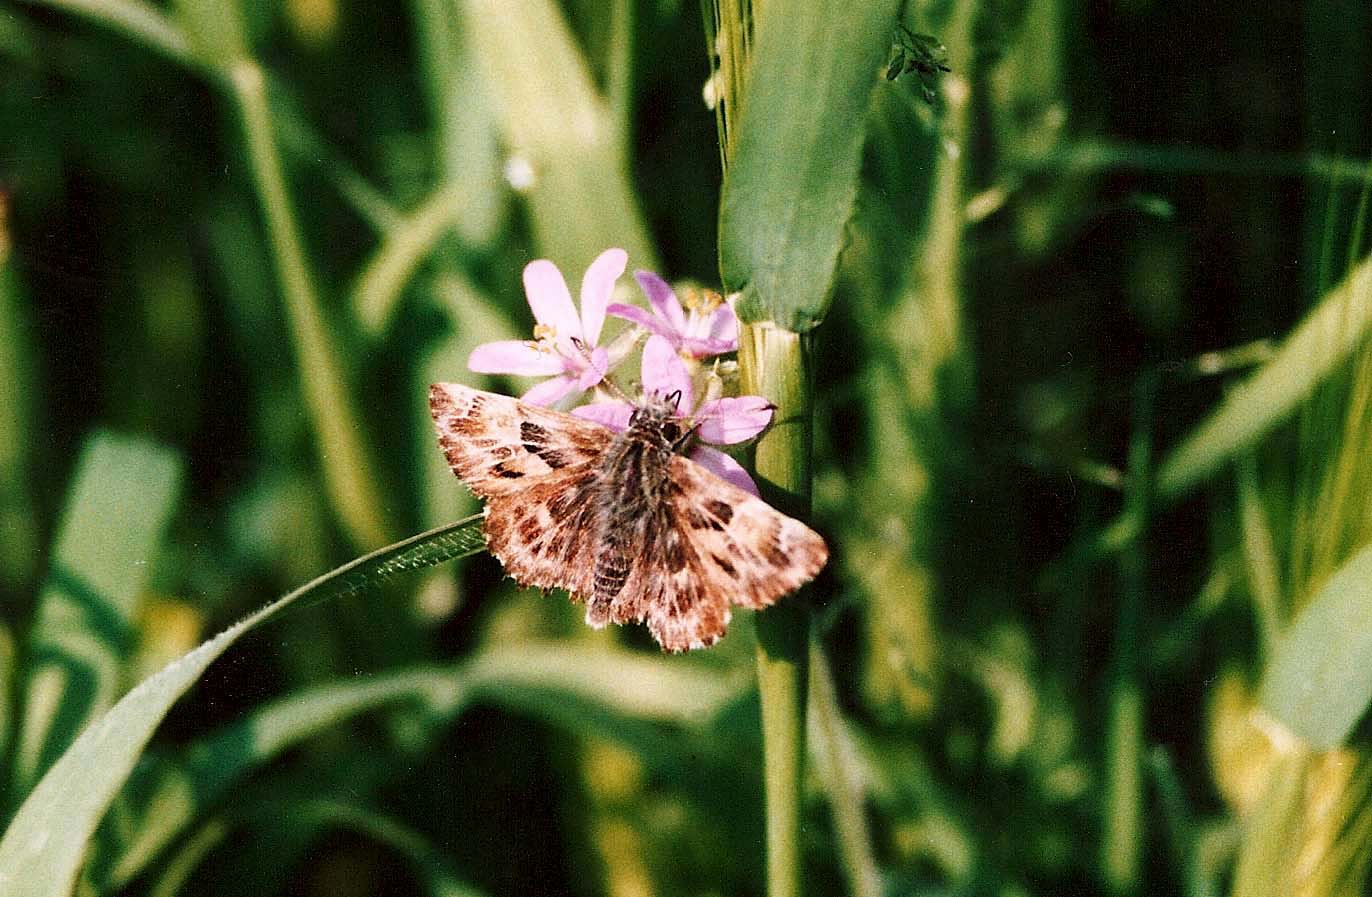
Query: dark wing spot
724,565
673,555
720,509
530,528
508,473
775,556
532,432
552,458
465,426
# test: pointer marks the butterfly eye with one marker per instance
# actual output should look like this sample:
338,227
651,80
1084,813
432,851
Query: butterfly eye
671,431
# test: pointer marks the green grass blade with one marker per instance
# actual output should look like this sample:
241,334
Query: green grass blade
42,849
581,200
577,687
463,120
18,407
161,799
382,282
214,29
122,494
431,867
347,472
1261,561
140,22
179,867
1321,342
790,184
9,670
1317,683
840,769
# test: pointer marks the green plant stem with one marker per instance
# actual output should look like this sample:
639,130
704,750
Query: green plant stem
141,23
347,471
774,363
1122,840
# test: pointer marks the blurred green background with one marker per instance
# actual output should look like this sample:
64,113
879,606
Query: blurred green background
1092,409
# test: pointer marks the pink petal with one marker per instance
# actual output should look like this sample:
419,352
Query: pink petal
724,467
704,348
596,367
614,415
550,391
726,421
663,373
663,300
513,356
596,286
724,325
550,301
643,318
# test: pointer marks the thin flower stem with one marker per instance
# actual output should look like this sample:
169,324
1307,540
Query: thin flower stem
354,495
774,363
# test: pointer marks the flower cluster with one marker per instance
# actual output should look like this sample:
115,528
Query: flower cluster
566,350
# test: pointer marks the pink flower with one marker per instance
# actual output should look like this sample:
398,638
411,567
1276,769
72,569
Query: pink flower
707,326
719,421
564,346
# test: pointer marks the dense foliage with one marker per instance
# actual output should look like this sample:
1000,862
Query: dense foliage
1091,398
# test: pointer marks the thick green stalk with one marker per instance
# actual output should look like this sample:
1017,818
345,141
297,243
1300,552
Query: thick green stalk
775,363
338,433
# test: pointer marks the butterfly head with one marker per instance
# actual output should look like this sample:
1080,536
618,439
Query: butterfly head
658,420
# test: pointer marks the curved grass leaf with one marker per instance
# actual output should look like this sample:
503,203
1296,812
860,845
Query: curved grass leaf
465,131
580,198
1322,341
789,187
42,849
381,283
431,866
122,494
578,687
140,22
1317,684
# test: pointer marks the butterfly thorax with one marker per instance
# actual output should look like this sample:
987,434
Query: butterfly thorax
636,486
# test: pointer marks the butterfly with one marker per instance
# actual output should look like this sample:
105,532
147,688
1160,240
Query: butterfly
622,521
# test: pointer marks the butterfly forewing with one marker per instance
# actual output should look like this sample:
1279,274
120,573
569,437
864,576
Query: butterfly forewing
537,470
501,446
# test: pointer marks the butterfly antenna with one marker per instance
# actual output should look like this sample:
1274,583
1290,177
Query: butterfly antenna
607,381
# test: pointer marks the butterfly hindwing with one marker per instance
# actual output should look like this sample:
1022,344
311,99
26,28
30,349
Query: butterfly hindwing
714,545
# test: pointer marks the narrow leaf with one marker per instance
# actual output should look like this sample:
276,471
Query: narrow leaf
143,23
560,130
789,188
1318,683
41,851
122,494
1322,341
573,686
381,283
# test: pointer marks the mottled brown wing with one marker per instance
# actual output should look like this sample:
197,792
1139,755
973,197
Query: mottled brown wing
537,470
714,546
